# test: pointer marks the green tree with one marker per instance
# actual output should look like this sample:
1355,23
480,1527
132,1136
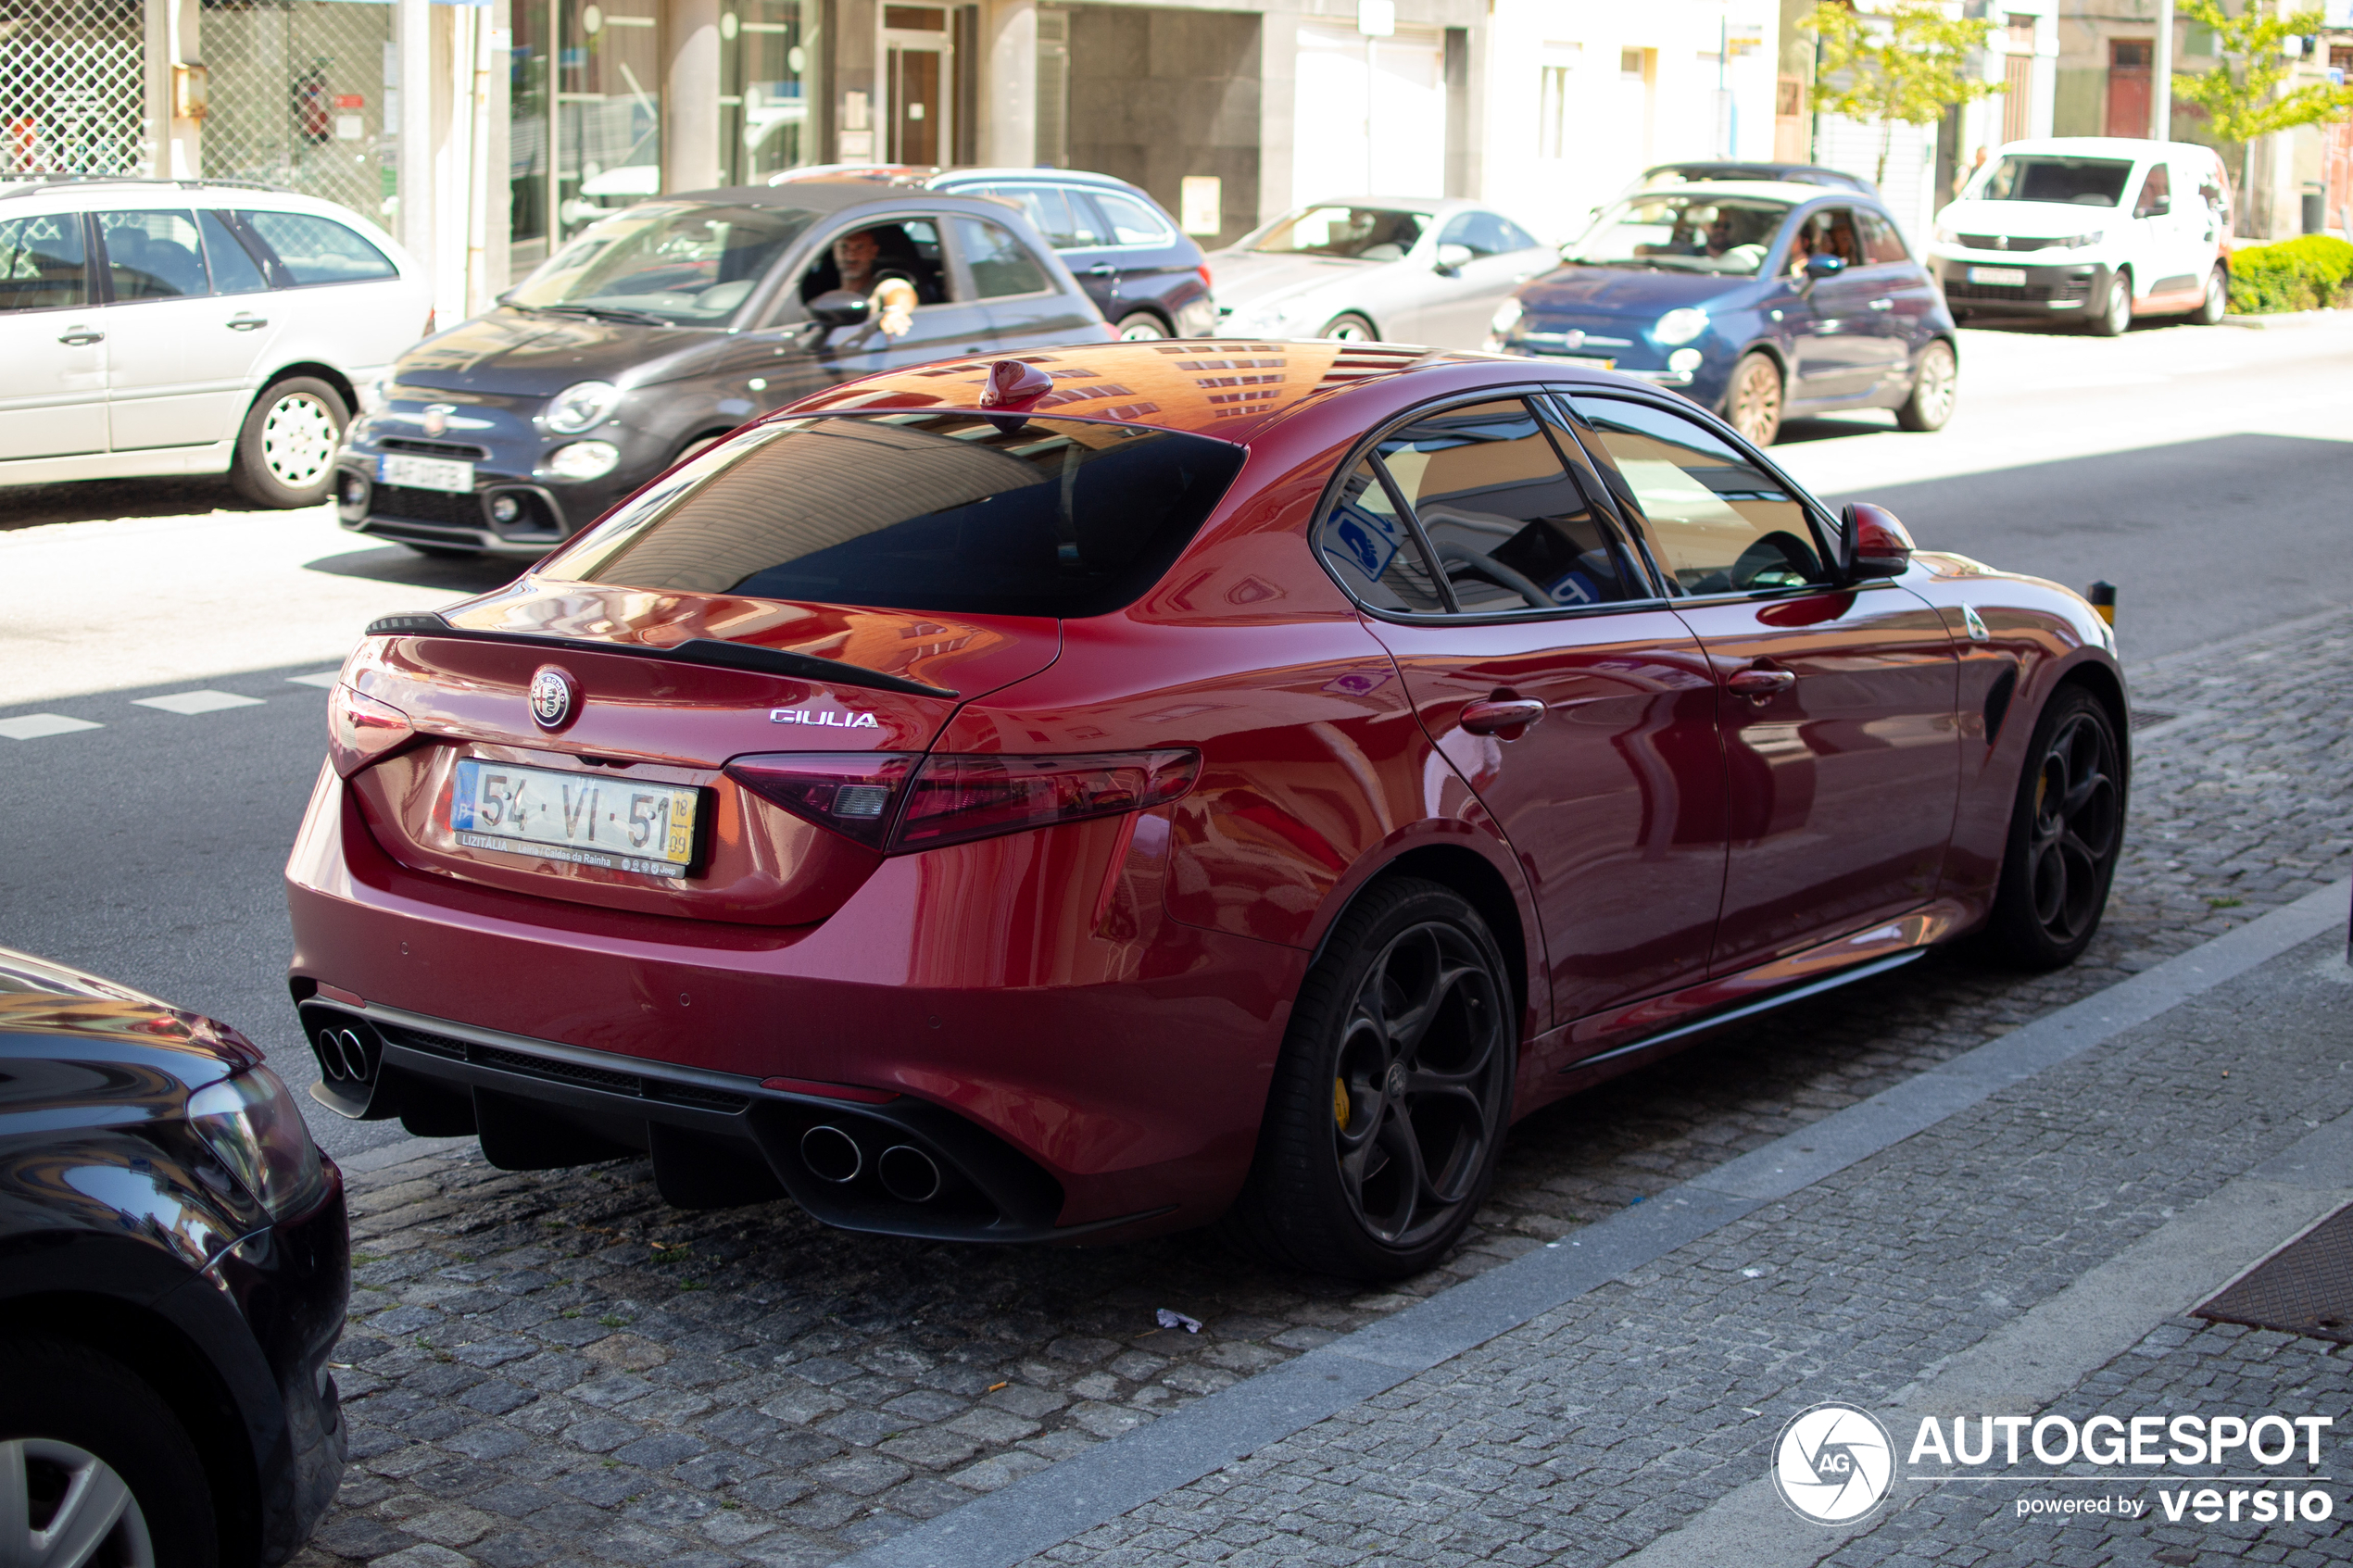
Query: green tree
1908,65
2238,94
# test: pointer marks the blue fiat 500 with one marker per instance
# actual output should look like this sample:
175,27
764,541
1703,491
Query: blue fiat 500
1758,299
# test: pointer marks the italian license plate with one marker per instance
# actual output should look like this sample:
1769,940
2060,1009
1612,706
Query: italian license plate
2007,277
644,828
426,473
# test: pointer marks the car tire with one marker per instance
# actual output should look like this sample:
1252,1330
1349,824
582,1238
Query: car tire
1391,1094
1349,327
1935,389
1140,326
286,454
2115,314
2067,832
2217,303
77,1431
1753,399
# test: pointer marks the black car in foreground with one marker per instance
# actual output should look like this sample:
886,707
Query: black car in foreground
174,1266
659,330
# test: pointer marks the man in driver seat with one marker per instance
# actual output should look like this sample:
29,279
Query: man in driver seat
880,263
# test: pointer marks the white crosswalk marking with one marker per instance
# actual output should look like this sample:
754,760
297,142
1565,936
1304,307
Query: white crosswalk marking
322,678
33,726
206,701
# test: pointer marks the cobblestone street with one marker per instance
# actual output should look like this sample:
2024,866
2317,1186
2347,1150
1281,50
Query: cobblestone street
555,1368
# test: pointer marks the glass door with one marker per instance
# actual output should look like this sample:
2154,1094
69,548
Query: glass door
769,66
607,110
916,63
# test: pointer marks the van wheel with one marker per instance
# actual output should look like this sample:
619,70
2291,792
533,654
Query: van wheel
2116,308
2217,302
90,1454
285,452
1391,1094
1933,390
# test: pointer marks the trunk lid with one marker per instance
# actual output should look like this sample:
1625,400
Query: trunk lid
664,689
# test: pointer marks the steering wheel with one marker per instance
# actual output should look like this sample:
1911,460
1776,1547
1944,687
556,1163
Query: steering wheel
1451,555
1770,557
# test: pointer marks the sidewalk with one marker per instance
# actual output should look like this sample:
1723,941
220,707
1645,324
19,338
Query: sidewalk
2033,1249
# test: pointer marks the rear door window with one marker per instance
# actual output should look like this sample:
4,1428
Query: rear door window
43,263
1486,498
1718,522
1067,223
311,250
153,256
1132,222
233,269
999,264
948,512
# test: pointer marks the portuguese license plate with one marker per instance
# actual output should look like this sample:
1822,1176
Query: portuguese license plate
2007,277
644,828
426,473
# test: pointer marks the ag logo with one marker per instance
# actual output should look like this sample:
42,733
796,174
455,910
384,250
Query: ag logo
1833,1462
550,697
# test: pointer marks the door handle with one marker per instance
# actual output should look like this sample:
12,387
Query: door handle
1760,684
1882,304
1494,716
1102,269
247,324
81,337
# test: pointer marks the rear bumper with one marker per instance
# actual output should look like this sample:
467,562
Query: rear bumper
964,1002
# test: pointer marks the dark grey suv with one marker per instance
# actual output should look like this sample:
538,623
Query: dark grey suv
665,326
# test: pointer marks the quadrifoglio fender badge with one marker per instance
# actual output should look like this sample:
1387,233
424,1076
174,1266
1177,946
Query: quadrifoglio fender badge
825,720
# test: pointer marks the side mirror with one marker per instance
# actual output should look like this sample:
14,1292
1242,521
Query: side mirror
2157,208
1820,267
1875,544
1454,257
839,307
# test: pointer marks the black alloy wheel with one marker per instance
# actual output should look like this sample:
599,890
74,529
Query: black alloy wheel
2067,832
1393,1090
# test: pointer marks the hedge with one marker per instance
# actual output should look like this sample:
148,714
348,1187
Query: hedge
2302,274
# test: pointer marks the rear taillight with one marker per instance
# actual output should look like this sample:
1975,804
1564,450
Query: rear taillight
1203,270
361,729
431,317
857,796
898,803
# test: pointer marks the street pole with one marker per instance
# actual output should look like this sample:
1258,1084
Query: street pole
2161,95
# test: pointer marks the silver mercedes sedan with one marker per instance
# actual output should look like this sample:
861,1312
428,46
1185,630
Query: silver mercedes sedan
1406,269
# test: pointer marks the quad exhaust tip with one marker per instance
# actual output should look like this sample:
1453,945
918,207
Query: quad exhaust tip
907,1173
341,1057
832,1154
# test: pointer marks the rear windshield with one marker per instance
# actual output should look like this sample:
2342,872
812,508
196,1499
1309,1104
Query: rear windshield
952,513
2085,181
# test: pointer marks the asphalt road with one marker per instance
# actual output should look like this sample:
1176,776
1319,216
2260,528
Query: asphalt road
2204,471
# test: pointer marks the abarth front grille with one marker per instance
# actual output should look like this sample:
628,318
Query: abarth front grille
425,506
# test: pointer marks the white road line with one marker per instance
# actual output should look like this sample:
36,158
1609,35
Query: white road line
206,701
32,726
324,679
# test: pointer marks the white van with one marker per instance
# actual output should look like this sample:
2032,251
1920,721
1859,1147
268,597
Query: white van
2099,228
163,327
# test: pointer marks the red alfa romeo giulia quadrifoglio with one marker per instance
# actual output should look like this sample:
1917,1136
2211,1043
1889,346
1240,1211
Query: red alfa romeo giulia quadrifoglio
1089,793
